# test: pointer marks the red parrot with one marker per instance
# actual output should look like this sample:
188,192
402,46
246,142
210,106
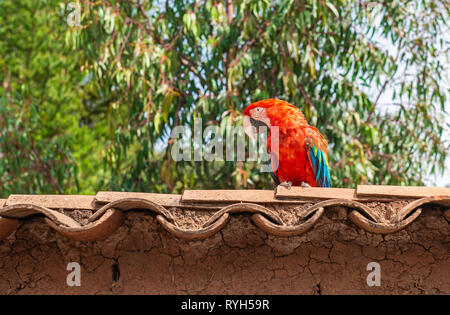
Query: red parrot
302,156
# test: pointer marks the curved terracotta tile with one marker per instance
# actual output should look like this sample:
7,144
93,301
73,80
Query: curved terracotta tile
21,211
287,230
7,226
199,234
98,230
243,208
130,204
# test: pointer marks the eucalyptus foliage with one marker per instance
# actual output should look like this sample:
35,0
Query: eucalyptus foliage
367,74
47,142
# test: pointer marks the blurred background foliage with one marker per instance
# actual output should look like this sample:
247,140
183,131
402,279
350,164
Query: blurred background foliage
91,107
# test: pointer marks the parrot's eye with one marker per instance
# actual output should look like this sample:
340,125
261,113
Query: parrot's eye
258,109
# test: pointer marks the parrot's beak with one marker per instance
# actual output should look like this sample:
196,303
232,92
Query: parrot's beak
249,129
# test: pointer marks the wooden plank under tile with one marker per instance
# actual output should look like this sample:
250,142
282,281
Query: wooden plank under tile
165,200
296,192
53,201
229,196
411,192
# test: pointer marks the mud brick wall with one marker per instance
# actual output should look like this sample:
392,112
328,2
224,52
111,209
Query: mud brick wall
143,258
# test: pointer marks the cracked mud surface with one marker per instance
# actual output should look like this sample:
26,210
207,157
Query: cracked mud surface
141,257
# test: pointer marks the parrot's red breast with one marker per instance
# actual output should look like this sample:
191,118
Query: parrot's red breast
302,155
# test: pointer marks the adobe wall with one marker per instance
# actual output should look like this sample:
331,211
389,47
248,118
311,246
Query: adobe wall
141,257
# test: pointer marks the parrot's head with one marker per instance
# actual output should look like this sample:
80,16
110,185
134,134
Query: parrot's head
268,113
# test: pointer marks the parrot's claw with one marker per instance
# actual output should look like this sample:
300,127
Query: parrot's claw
288,185
305,185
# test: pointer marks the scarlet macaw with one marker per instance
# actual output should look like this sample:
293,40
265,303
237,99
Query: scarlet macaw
302,156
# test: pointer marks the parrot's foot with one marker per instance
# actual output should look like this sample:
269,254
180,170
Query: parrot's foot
288,185
305,185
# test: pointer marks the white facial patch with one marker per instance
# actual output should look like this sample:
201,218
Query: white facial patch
258,118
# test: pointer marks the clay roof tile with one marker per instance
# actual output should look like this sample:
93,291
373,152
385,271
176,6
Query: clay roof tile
283,212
